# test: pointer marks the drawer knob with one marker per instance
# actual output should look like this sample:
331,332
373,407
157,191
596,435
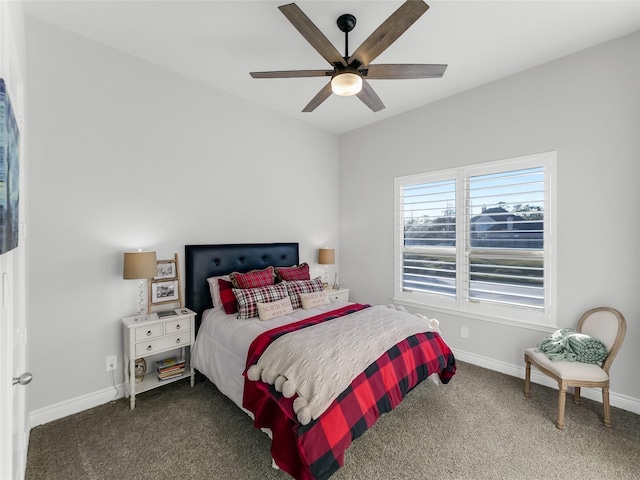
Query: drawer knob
149,333
149,348
178,327
177,340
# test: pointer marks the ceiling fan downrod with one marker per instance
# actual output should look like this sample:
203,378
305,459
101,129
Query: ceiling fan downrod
346,23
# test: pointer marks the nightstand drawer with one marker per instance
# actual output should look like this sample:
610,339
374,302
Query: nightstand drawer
340,294
177,326
150,331
164,343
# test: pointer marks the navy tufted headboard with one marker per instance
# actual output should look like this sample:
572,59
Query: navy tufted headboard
204,261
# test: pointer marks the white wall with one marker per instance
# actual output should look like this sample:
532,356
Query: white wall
123,155
586,107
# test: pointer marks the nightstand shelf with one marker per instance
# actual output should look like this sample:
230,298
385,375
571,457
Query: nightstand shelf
151,380
151,338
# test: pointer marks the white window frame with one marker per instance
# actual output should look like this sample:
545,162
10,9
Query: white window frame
496,313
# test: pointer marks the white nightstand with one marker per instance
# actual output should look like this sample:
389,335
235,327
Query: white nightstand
154,336
339,294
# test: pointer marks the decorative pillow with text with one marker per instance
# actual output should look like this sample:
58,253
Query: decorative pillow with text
267,311
297,287
314,299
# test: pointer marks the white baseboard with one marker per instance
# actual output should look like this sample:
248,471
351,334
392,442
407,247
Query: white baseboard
85,402
617,400
75,405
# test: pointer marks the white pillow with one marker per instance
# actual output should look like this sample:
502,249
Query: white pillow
267,311
314,299
214,289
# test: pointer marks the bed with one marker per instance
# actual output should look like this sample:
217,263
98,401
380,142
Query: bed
265,366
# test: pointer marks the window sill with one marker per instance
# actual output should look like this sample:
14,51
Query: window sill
476,316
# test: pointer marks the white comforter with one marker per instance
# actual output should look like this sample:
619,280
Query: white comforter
222,344
320,361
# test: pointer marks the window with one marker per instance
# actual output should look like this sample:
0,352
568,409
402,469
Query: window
477,239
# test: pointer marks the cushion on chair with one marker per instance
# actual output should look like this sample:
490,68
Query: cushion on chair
589,372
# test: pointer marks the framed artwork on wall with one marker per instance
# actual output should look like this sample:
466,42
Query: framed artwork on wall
9,173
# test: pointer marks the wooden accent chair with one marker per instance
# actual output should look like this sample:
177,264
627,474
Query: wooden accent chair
604,323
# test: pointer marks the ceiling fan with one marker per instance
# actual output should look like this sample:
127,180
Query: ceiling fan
350,73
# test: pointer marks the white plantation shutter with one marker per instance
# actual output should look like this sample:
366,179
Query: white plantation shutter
429,257
505,241
476,239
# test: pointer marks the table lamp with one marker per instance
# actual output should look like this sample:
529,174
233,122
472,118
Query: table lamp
326,256
140,266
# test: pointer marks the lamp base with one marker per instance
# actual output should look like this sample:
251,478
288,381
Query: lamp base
141,314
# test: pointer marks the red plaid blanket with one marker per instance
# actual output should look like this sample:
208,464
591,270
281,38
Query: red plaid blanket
316,451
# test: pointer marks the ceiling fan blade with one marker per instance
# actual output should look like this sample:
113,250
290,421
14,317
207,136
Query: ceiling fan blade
320,97
389,31
405,70
369,97
292,74
312,34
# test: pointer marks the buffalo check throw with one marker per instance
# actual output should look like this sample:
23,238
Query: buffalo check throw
315,451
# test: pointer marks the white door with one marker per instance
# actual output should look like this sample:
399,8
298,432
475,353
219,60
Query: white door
6,372
13,336
20,374
13,437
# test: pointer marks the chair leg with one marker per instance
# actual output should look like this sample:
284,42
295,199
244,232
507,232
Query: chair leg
562,398
576,396
606,406
527,378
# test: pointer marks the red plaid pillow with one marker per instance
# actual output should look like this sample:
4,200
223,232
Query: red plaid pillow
227,298
252,279
299,272
248,298
297,287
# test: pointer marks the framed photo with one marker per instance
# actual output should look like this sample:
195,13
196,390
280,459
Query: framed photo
166,269
165,287
164,291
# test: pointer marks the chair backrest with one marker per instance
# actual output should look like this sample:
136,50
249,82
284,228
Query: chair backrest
607,325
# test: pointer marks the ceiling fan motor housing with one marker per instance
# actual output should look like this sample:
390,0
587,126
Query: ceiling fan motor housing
346,22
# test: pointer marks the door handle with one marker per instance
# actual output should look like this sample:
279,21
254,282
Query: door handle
23,379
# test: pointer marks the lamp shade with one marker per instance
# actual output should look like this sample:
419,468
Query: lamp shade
326,256
346,84
138,265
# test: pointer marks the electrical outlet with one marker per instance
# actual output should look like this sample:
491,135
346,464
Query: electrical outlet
464,332
112,363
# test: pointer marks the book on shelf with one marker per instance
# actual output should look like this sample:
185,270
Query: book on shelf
169,362
167,313
170,373
171,376
172,368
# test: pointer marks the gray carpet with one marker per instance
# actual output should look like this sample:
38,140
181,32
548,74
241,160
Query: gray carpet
479,426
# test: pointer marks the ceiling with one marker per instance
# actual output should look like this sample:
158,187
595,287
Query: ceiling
220,42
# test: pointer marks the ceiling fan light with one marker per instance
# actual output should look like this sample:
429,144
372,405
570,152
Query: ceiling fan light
346,84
